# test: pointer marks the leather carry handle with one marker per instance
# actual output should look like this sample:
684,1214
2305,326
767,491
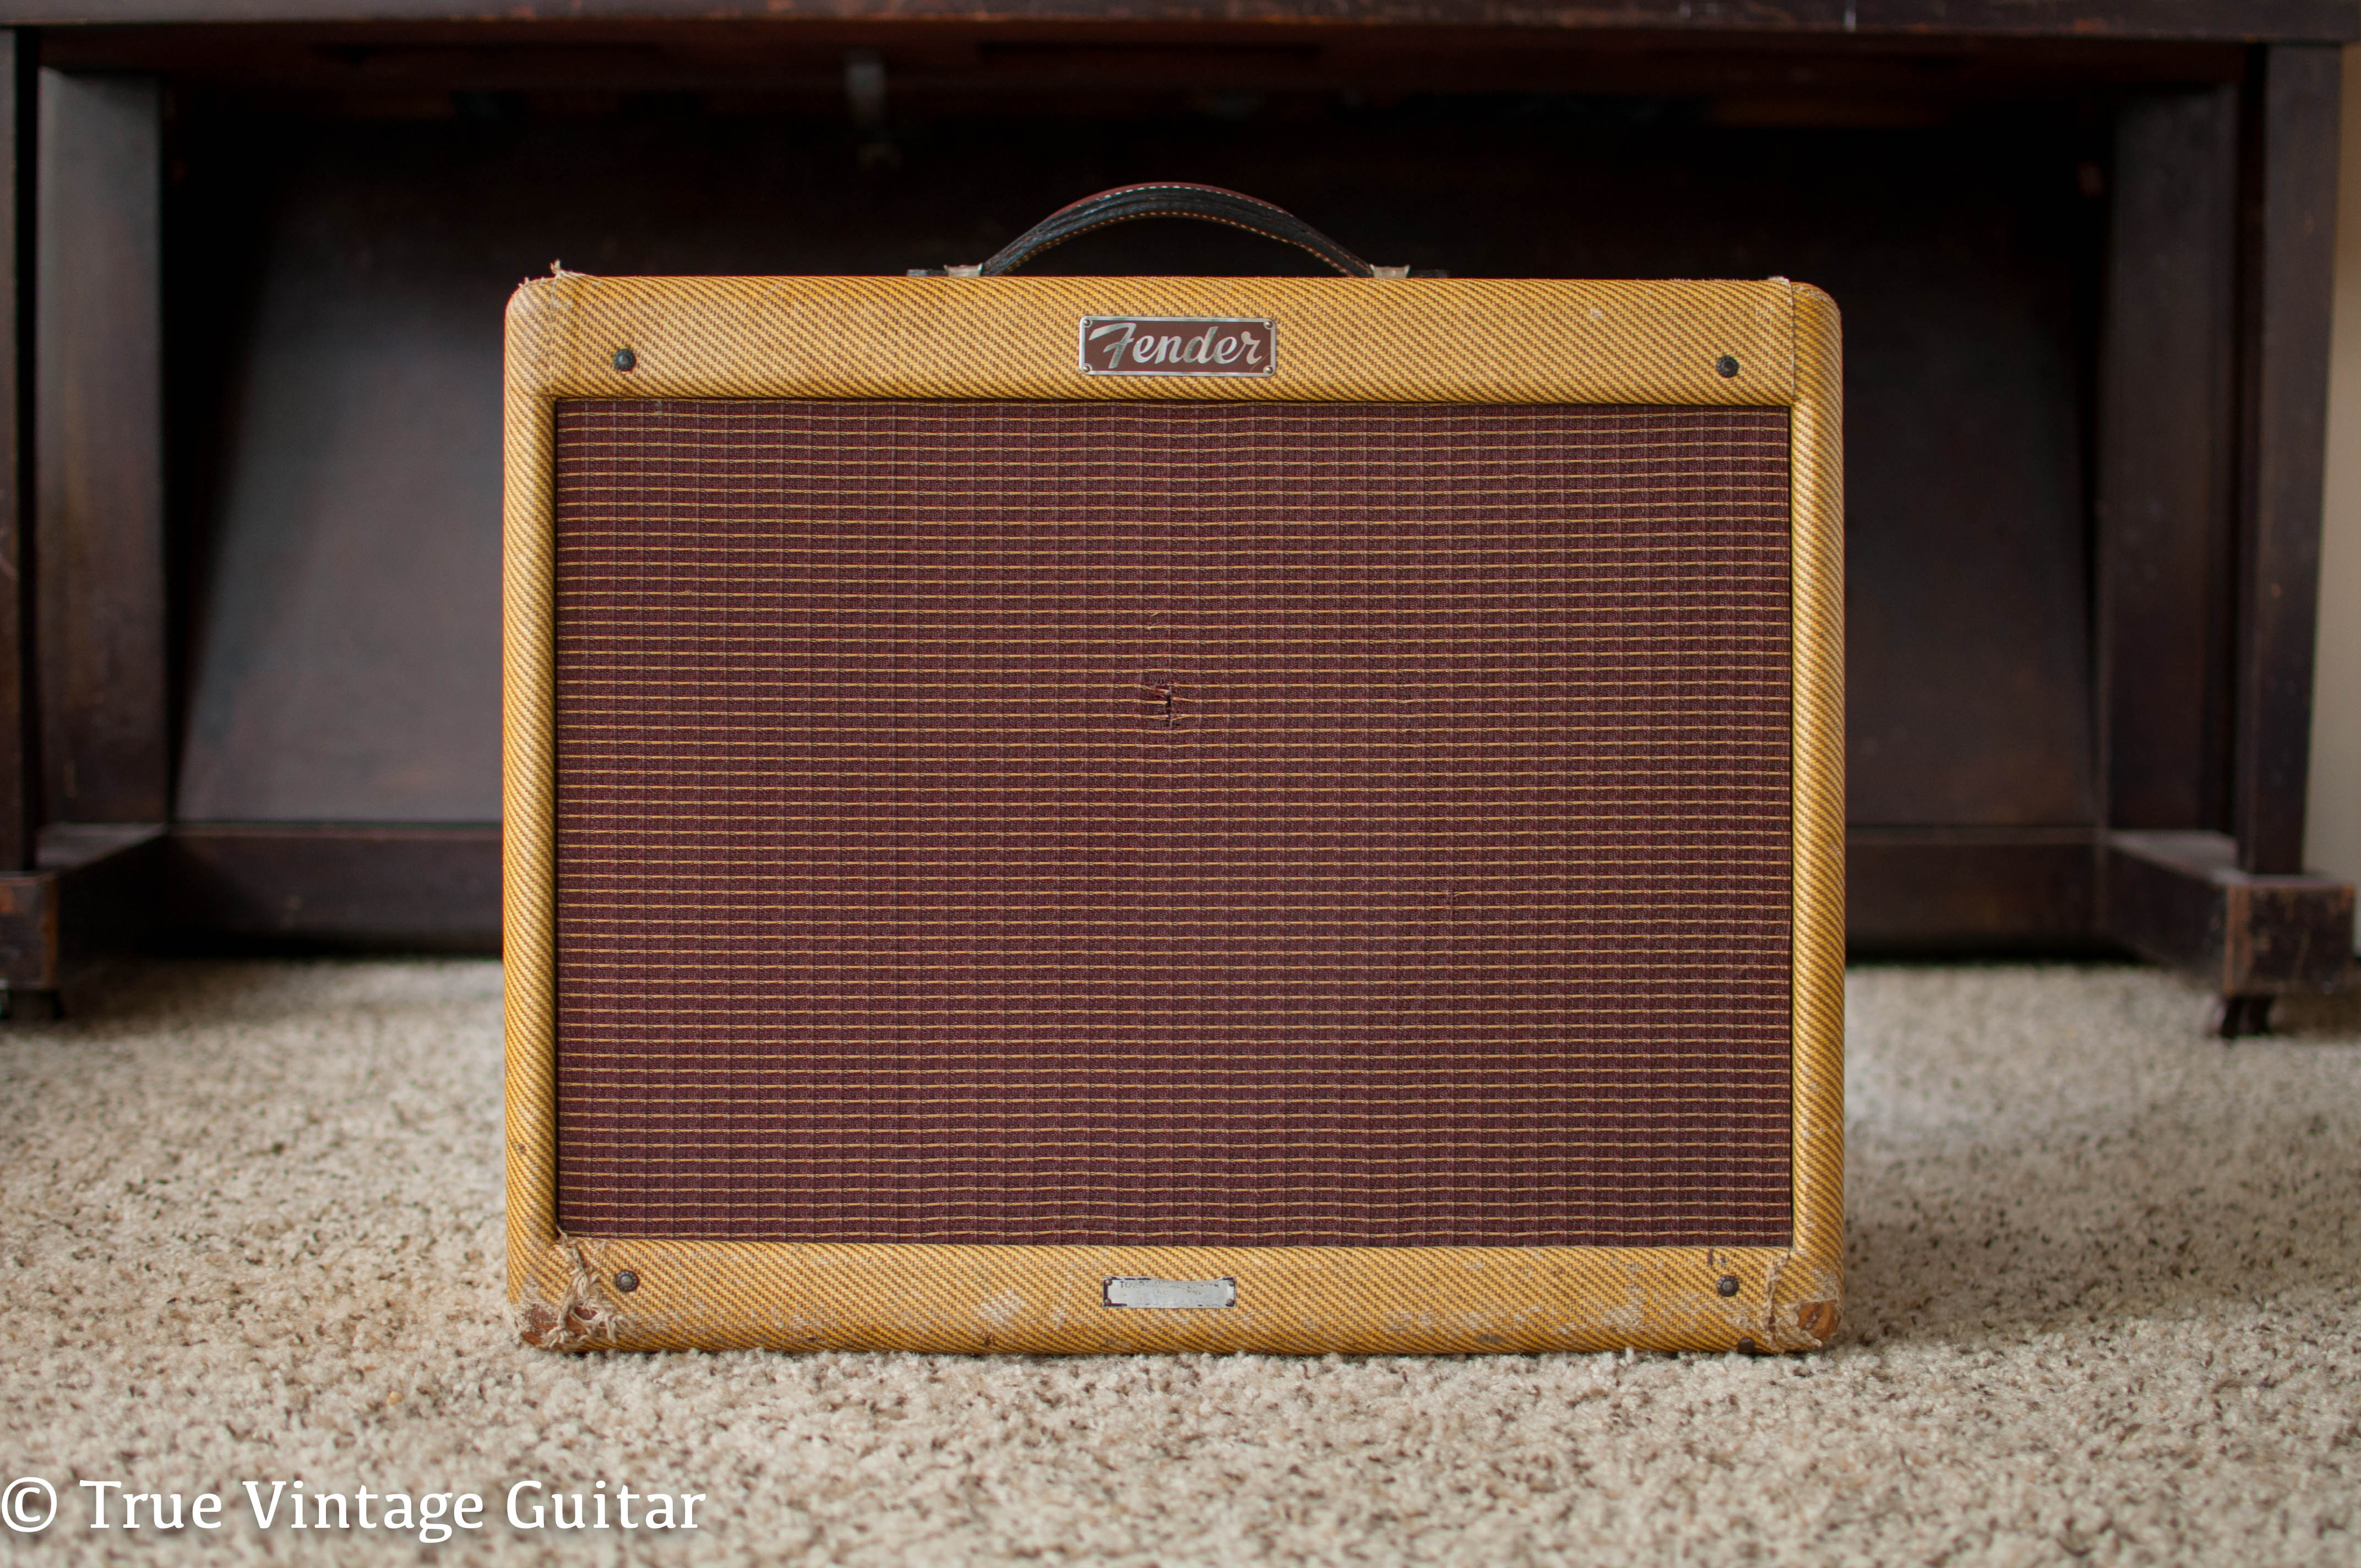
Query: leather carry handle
1207,204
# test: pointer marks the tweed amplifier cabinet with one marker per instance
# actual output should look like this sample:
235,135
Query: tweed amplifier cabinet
1071,814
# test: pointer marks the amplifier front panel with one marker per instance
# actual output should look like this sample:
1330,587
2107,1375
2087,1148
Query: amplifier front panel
1233,823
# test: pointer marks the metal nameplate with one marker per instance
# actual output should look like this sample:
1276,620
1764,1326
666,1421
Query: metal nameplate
1171,1295
1177,346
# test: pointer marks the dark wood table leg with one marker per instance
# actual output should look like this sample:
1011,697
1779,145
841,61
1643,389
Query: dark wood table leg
28,929
2209,533
92,769
2288,274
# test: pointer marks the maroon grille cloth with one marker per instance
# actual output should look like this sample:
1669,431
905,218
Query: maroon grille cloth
1172,823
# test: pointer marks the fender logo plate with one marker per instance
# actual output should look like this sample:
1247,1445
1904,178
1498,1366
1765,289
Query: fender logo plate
1177,346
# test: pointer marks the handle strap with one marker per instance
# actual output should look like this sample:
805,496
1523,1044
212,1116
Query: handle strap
1207,204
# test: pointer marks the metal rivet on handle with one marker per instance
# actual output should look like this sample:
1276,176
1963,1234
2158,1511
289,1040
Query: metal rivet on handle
625,359
1726,365
1727,1285
626,1280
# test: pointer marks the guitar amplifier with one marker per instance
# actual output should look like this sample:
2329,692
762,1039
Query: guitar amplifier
1061,814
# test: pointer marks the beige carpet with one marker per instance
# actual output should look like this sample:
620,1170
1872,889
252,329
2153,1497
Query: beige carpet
2106,1305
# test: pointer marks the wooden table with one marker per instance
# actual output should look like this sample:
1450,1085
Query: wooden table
249,652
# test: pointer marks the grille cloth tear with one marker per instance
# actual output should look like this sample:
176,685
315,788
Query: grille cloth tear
1220,824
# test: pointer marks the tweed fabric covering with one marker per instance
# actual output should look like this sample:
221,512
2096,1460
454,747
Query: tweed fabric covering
1814,1271
1463,340
1173,824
